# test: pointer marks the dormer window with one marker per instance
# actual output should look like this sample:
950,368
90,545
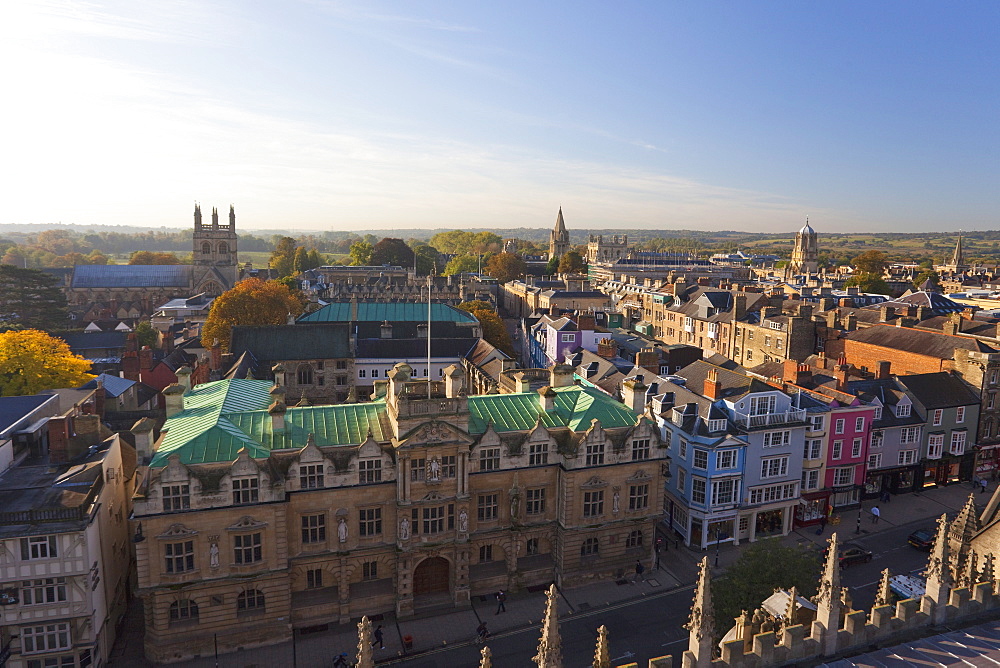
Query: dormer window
716,425
246,490
902,410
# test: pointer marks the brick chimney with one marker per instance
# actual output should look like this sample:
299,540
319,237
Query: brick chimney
886,313
713,388
130,365
950,327
648,359
215,359
841,373
607,348
883,369
60,431
99,398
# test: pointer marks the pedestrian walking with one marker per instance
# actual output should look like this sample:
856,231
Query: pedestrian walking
377,634
501,602
340,661
983,484
482,633
639,570
886,498
876,514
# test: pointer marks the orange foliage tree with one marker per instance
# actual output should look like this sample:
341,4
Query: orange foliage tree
32,361
249,302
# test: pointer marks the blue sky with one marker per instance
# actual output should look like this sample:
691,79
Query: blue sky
371,115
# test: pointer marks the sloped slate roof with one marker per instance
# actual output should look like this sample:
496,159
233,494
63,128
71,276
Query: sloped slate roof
131,276
293,342
391,311
13,409
91,340
113,385
939,390
397,348
907,339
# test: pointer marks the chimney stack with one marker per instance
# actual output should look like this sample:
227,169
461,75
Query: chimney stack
607,348
277,409
173,396
454,381
634,393
883,369
521,383
547,398
713,388
561,375
184,378
142,432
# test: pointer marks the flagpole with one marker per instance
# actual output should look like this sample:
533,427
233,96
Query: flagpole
429,281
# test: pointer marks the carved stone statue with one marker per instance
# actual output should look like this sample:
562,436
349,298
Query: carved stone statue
463,521
616,502
404,529
213,555
515,504
342,530
435,469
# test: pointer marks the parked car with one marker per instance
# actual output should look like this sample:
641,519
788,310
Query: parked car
922,539
852,554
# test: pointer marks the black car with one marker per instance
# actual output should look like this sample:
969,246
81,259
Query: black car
922,539
852,554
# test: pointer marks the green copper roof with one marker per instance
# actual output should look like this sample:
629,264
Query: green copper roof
391,311
221,418
575,407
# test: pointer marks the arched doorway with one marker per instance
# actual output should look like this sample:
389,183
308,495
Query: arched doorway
431,576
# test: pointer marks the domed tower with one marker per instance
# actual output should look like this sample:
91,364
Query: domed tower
215,258
805,255
558,237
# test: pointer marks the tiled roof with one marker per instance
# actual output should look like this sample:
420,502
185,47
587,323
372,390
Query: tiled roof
939,390
131,275
391,311
91,340
113,385
907,339
292,342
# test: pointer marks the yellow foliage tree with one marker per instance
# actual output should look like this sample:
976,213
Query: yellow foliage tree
32,361
249,302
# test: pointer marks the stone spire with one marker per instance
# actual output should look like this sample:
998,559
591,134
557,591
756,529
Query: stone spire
884,595
963,528
988,574
602,655
958,257
793,601
550,645
970,574
365,658
558,237
938,574
487,660
828,601
701,625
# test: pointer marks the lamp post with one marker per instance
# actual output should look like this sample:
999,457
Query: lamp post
718,538
860,506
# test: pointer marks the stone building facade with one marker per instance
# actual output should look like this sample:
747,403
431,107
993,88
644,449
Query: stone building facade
261,517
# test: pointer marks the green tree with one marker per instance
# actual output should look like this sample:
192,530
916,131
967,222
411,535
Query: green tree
29,299
871,262
150,257
494,330
146,335
301,261
866,282
570,263
761,568
553,266
315,259
460,242
32,361
361,254
505,267
462,264
392,251
249,302
283,256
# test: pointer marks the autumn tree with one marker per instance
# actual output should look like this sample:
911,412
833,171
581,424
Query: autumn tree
494,330
570,263
505,267
249,302
150,257
29,299
871,262
32,361
392,251
361,254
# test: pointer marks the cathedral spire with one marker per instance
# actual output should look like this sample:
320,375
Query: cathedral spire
958,257
232,216
602,655
828,599
365,658
884,595
197,214
550,645
215,217
558,237
939,579
701,624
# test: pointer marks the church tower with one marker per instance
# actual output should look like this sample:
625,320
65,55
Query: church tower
805,255
558,238
215,259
